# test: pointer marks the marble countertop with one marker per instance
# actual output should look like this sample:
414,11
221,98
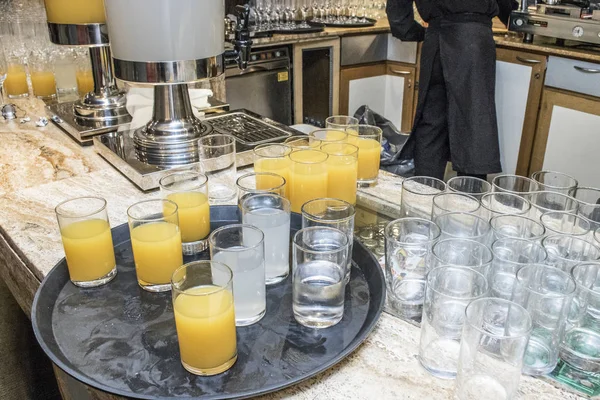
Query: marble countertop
41,167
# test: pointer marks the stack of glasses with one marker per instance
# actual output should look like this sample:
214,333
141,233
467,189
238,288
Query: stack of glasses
505,278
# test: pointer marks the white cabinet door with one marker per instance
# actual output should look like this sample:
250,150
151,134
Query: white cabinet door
383,94
573,145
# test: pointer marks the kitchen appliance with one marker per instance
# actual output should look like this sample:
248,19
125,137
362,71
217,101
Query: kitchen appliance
168,44
264,87
562,19
103,109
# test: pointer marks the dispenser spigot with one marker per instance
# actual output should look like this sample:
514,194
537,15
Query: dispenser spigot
242,43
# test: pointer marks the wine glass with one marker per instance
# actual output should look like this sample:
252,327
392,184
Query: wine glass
304,7
293,13
315,11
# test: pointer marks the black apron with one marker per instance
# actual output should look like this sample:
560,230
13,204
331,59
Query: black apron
456,111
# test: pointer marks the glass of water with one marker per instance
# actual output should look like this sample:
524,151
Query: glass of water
501,203
259,182
417,196
271,214
555,181
444,203
579,347
566,251
408,246
217,157
546,292
449,290
333,213
469,185
458,225
517,227
241,248
514,184
318,274
462,253
493,343
510,255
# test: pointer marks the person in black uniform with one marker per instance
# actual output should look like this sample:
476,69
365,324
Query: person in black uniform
456,111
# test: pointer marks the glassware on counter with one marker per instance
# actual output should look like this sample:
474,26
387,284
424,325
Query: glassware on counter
461,253
41,71
555,181
449,290
469,185
308,177
591,212
204,317
342,123
565,223
318,276
492,347
87,240
459,225
586,195
328,136
517,227
65,71
189,190
241,247
566,251
217,157
547,293
408,247
15,84
502,203
368,140
417,196
274,158
546,201
3,73
259,182
156,243
83,76
444,203
342,171
302,142
514,184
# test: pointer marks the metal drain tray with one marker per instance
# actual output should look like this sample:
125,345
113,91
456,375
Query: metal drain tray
249,129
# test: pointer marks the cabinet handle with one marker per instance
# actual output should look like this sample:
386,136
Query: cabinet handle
395,71
587,70
528,60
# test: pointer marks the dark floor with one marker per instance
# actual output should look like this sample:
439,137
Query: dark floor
25,372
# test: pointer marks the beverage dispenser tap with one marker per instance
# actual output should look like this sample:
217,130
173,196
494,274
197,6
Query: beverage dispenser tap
242,43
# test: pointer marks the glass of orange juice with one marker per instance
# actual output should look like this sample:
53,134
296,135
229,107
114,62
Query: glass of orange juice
156,243
302,142
259,183
342,171
15,84
368,140
273,158
328,136
308,177
87,240
189,190
204,317
42,75
83,75
75,11
341,123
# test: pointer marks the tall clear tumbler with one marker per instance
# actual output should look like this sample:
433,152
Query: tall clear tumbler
514,184
271,214
449,291
241,248
543,202
565,251
469,185
463,253
458,225
555,181
517,227
444,203
546,292
318,273
408,246
493,343
501,203
217,157
417,196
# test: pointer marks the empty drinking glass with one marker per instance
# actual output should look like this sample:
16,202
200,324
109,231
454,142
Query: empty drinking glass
271,214
259,182
565,251
517,227
333,213
591,212
546,292
563,223
500,203
408,246
454,202
580,344
586,195
514,184
543,202
318,273
469,185
510,255
449,291
218,160
462,253
417,196
492,346
555,181
458,225
241,248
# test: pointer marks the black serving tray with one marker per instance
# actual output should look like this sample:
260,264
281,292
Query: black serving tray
370,22
121,339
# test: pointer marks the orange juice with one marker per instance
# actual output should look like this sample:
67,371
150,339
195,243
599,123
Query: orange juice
279,166
75,11
342,174
206,328
44,84
308,176
85,82
369,152
156,251
88,249
194,215
16,81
